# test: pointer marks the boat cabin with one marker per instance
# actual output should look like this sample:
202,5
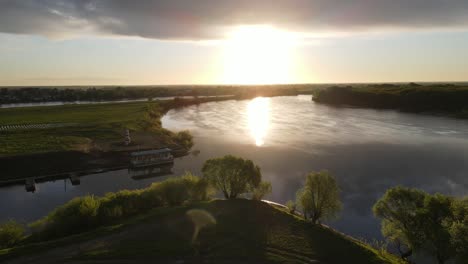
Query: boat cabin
139,173
151,157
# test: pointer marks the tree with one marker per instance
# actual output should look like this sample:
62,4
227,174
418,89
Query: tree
396,209
319,198
458,229
437,210
261,190
418,221
232,175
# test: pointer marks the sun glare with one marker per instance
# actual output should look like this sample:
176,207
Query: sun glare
258,114
258,55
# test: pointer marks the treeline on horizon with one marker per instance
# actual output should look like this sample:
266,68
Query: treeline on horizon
13,95
432,98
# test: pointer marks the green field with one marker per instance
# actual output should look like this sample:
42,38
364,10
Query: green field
245,232
84,124
84,127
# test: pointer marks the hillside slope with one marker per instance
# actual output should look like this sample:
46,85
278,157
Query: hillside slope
245,232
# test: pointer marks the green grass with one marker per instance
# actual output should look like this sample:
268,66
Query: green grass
87,123
89,114
245,231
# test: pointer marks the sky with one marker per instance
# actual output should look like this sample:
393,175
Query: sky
120,42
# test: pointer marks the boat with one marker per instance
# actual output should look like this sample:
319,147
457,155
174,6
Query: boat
75,179
151,157
30,185
140,173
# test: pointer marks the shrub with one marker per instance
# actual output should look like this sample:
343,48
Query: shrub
199,188
291,205
184,139
73,217
119,204
87,212
11,233
151,197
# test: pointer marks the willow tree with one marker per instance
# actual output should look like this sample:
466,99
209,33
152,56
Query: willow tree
418,221
397,209
319,198
232,175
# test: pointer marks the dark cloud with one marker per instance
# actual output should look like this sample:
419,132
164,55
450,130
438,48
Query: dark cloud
205,19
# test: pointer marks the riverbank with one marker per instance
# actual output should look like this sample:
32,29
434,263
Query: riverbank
435,99
90,138
244,231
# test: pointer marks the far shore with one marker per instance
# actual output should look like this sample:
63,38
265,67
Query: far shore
102,150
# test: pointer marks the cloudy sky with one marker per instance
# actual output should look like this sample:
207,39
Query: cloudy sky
81,42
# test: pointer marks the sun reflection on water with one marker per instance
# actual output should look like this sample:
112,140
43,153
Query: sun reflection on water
258,114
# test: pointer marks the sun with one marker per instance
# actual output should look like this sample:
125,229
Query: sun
258,55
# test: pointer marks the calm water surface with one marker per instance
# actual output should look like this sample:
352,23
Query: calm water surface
367,150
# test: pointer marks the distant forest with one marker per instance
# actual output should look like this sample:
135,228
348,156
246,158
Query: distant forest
434,98
71,94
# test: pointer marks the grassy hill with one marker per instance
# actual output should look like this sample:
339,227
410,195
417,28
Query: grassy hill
245,232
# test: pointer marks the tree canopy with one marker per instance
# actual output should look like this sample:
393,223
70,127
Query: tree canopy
319,198
232,175
415,220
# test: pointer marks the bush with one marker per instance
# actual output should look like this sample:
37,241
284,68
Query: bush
11,233
291,205
261,190
119,204
173,192
199,188
184,139
87,212
73,217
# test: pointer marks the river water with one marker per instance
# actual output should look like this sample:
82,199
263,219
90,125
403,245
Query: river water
367,150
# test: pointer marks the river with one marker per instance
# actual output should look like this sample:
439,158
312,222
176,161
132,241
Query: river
367,150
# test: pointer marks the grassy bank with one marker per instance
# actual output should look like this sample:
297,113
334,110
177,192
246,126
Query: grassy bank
245,231
437,98
88,137
86,127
